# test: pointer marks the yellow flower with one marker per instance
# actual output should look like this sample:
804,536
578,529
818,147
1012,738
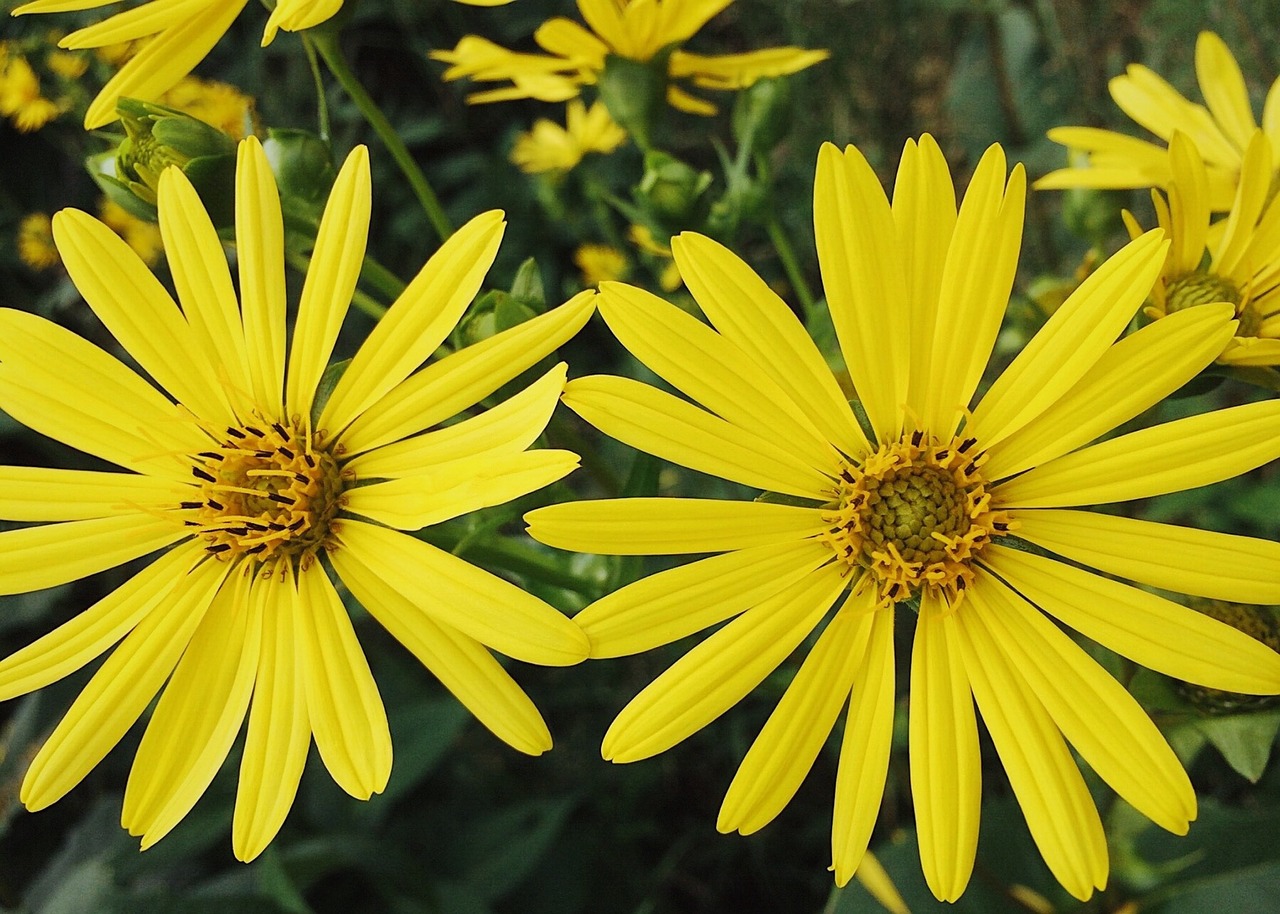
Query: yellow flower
35,242
550,147
635,29
1221,131
20,98
922,507
218,104
142,236
184,32
252,482
600,263
1237,261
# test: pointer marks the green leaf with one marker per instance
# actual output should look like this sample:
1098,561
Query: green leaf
508,845
1245,740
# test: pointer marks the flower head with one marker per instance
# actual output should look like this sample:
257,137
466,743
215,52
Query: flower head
35,242
260,490
636,30
600,263
1236,262
923,507
20,98
1221,131
548,147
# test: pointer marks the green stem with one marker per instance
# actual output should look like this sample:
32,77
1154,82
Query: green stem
362,300
322,102
326,44
791,265
509,554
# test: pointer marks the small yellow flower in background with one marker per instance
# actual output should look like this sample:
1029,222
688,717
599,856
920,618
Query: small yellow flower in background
922,508
550,147
642,237
20,98
35,242
234,464
600,263
216,103
1221,131
1243,263
635,29
69,65
142,236
181,33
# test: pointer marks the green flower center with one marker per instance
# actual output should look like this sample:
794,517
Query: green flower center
914,514
1193,289
268,492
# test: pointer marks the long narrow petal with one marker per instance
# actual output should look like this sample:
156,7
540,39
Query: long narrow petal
331,280
1095,713
1178,455
444,388
508,428
1071,342
786,748
419,320
747,312
1131,376
87,634
347,716
127,25
1152,102
946,764
279,731
260,255
198,715
1150,630
1252,197
439,493
712,371
44,494
137,310
1190,206
662,424
1224,90
121,690
862,275
489,609
1220,566
669,526
864,752
1059,811
33,558
671,604
716,674
463,665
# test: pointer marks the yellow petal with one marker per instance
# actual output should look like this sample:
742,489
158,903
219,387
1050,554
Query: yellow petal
863,278
120,690
864,752
1178,455
43,494
669,526
458,381
712,372
1071,342
666,426
33,558
742,307
347,716
716,674
1156,105
487,608
1059,811
731,72
279,731
260,255
461,663
946,764
1095,713
1189,206
786,748
127,25
331,279
1224,90
1147,629
419,320
1252,196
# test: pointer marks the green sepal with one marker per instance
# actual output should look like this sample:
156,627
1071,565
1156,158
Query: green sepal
635,92
324,390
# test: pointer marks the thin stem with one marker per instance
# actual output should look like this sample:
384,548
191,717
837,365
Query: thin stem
510,555
322,101
326,44
791,265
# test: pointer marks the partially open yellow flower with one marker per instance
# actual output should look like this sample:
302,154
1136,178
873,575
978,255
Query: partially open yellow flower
35,242
600,263
635,29
246,478
921,510
20,98
550,147
1221,132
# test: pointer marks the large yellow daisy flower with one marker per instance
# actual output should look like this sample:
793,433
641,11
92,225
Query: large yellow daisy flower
634,29
253,481
185,31
1243,251
920,510
1221,131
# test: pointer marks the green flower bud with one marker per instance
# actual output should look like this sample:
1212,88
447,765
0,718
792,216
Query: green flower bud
762,114
671,191
635,92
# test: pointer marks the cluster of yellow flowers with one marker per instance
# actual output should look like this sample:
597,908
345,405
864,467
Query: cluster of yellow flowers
261,494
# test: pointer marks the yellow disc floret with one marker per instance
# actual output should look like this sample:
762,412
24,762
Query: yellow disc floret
914,514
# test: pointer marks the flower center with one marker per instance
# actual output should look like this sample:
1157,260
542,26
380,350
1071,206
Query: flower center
914,514
1193,289
269,492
